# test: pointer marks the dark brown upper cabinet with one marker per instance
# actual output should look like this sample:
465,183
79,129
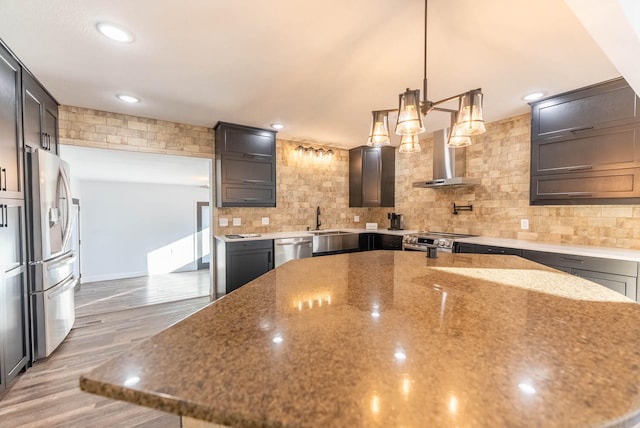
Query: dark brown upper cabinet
372,176
245,166
11,146
40,116
585,147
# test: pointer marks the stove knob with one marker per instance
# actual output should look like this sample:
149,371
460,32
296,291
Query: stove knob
441,243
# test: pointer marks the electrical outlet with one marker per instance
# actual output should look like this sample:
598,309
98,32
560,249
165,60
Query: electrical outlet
265,221
524,224
223,222
237,221
356,219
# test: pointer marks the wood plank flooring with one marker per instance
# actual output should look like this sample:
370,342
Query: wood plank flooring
48,394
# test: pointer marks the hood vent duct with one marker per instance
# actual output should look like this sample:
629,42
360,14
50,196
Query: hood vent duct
449,165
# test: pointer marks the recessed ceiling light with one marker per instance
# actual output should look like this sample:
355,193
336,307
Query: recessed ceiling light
128,98
534,96
114,32
277,126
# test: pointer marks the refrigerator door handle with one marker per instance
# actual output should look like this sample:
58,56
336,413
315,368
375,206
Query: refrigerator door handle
68,200
69,283
65,261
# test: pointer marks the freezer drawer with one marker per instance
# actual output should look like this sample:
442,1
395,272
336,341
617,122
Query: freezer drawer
54,316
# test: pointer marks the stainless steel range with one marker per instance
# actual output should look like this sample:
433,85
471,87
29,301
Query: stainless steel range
421,241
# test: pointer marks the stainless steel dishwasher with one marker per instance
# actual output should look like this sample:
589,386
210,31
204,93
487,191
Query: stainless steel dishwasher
292,248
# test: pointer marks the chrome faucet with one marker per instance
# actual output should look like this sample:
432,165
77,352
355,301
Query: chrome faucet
318,224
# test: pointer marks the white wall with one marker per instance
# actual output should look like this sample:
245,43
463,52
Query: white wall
134,229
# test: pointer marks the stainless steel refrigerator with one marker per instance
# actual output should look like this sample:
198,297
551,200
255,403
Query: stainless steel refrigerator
52,282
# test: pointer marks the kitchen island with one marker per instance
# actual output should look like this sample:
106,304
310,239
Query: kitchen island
392,338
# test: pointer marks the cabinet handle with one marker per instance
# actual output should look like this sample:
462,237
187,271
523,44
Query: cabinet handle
255,155
492,250
3,182
568,194
48,142
5,216
568,168
269,258
255,181
569,259
250,199
586,128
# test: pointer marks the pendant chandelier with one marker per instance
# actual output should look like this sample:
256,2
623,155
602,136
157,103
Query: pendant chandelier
466,120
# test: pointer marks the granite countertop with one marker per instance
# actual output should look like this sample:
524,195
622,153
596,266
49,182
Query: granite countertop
392,338
303,233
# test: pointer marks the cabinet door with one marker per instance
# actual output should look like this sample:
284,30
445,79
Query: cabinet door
390,242
32,114
11,158
12,228
620,186
624,285
603,105
248,171
604,149
14,323
247,260
245,141
14,332
50,122
371,178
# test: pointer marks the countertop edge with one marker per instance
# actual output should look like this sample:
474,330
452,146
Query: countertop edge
577,250
305,233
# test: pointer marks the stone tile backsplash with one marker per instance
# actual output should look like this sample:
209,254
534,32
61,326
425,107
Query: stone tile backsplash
500,158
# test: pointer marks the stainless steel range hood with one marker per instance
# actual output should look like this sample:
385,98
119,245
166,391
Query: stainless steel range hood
449,165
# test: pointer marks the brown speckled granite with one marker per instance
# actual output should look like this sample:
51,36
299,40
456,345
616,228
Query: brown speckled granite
395,339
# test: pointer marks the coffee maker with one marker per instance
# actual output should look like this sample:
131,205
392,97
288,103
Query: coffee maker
396,221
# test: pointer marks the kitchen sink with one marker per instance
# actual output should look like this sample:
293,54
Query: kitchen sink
328,232
334,241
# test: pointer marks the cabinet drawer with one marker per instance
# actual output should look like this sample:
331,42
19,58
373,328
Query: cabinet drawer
486,249
245,141
248,171
250,245
239,195
616,267
604,149
597,187
603,105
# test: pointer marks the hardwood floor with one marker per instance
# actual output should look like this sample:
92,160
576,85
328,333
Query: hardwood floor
116,295
48,394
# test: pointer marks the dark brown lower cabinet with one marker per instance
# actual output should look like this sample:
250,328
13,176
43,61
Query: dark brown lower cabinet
390,242
245,261
14,327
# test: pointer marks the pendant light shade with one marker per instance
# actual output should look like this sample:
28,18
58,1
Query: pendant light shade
409,144
470,120
379,134
409,117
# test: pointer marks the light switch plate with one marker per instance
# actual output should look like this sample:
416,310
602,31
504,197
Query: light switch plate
356,219
223,222
237,221
265,221
524,224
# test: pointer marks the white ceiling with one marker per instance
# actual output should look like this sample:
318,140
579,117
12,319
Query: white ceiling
319,67
133,167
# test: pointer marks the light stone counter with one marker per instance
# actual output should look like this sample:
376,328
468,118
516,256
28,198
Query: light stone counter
578,250
304,233
392,338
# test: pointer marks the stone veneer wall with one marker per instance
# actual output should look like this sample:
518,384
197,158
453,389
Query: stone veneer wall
302,185
500,158
105,130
